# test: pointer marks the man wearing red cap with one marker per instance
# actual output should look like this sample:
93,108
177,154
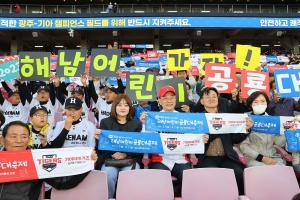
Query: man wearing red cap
176,163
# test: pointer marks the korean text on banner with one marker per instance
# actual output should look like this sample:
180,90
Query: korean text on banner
34,66
178,59
254,81
206,58
288,82
220,76
44,163
176,122
153,143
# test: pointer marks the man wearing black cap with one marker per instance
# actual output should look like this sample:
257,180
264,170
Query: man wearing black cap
16,107
80,132
104,106
46,97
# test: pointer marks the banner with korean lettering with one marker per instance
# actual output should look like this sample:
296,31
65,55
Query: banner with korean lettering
178,59
34,66
212,123
180,87
220,76
153,143
105,62
9,67
254,81
71,63
206,58
247,57
288,82
176,122
141,86
44,163
272,124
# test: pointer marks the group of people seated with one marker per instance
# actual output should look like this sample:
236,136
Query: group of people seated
30,121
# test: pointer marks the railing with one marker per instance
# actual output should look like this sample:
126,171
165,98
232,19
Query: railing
155,8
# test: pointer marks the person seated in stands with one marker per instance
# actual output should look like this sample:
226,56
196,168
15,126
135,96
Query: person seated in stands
112,162
16,137
176,163
258,147
219,150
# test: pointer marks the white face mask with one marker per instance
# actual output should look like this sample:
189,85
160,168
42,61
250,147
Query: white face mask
259,109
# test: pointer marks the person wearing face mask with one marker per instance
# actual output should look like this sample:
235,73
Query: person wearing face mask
258,147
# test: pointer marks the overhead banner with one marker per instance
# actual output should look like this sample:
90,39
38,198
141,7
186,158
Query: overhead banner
210,123
288,82
220,76
147,22
71,63
275,125
178,59
180,88
153,143
105,62
9,68
206,58
247,57
141,86
44,163
176,122
254,81
34,66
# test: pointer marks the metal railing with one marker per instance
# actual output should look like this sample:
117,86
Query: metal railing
155,8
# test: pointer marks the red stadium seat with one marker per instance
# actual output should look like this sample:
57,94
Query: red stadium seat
270,182
209,184
93,187
145,184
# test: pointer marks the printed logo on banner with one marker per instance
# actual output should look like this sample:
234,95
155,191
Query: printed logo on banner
254,81
226,123
288,82
217,123
206,58
50,162
220,76
178,59
71,63
9,68
172,143
34,66
140,86
247,57
105,62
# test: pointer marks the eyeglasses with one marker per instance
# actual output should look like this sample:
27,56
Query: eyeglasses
40,115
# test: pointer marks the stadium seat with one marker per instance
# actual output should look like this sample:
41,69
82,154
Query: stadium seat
210,184
284,154
93,187
145,184
270,182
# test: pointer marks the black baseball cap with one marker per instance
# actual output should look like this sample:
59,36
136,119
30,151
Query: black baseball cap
111,88
78,90
43,87
12,92
36,108
73,102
